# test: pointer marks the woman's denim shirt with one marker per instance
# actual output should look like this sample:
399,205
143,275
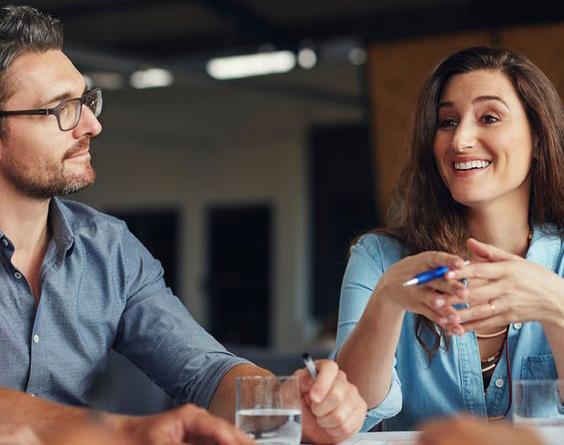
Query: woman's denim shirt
451,382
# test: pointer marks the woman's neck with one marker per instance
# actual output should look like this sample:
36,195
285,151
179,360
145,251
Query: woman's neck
505,228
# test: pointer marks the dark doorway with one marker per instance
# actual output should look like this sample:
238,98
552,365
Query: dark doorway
343,206
238,283
158,231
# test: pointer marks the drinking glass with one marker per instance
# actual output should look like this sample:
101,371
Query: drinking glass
538,403
268,409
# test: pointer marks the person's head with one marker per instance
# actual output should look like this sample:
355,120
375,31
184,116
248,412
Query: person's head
481,104
495,107
37,157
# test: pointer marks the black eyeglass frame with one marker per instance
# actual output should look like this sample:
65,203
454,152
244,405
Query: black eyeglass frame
56,111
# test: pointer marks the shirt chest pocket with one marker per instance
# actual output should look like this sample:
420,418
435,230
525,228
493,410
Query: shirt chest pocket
538,367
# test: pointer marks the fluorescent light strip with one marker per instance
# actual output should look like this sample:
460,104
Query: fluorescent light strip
261,64
151,78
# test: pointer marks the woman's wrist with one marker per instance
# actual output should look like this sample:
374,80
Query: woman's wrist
383,306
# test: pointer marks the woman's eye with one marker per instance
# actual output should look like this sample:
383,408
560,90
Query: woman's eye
447,123
489,119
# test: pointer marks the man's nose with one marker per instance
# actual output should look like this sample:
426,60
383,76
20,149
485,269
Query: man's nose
88,124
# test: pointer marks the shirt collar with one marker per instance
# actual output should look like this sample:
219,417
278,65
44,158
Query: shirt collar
62,232
545,247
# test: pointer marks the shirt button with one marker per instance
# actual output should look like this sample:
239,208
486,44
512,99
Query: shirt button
18,275
36,338
517,325
5,242
499,383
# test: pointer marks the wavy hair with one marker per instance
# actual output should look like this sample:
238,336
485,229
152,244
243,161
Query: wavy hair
423,215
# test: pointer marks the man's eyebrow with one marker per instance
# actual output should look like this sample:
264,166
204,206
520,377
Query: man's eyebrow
477,99
62,97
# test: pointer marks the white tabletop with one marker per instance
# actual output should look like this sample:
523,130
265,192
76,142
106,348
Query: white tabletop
384,438
551,436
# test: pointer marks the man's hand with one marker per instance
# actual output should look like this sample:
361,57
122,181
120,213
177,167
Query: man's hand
469,431
332,408
185,425
18,436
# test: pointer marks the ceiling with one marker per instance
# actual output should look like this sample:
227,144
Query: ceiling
119,37
173,29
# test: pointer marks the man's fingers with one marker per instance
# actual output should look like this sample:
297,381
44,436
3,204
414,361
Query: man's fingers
304,379
327,372
334,397
20,436
204,425
351,425
341,412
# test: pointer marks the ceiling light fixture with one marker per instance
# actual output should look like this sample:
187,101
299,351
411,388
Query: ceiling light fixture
357,56
151,78
307,58
260,64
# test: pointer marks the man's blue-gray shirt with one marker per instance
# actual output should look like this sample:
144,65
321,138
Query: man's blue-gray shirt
100,289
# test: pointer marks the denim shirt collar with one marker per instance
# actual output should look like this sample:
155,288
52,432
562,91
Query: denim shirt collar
63,235
545,248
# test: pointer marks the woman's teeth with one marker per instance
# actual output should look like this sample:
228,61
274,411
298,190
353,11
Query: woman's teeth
471,165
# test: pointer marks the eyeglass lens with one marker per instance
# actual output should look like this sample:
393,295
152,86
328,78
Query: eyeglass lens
69,113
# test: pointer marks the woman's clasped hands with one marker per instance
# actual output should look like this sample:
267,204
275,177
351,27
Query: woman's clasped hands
504,288
492,290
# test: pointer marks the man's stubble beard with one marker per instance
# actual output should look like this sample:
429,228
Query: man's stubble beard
48,178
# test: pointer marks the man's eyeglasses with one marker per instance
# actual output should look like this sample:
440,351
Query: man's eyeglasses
67,112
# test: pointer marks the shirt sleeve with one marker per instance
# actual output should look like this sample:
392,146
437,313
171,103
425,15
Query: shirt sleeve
363,271
158,334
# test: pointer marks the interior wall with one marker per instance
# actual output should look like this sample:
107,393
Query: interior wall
543,44
397,70
195,148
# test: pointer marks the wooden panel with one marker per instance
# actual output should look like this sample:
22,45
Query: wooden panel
544,45
396,72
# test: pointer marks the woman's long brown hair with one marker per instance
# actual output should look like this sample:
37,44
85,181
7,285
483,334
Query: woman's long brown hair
423,214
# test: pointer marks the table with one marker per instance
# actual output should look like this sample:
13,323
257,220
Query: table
551,436
384,438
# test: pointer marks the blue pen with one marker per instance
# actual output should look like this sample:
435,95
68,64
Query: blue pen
429,275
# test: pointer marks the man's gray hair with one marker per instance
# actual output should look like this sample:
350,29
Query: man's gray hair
24,29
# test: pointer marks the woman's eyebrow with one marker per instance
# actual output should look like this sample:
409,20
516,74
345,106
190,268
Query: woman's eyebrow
486,98
449,104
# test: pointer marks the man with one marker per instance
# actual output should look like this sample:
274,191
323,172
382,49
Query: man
75,283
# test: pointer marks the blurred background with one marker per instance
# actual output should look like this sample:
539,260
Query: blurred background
248,142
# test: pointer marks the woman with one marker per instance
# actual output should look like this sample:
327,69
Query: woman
484,181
